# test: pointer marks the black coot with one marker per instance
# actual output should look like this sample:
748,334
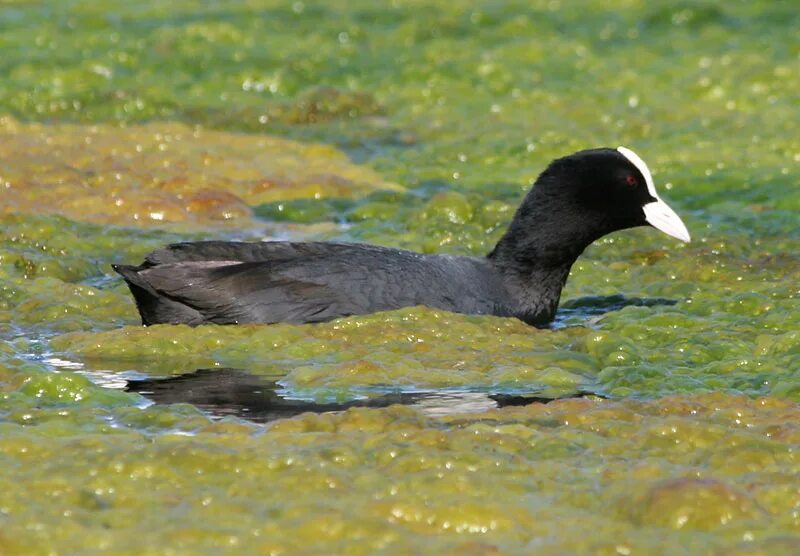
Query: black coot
576,200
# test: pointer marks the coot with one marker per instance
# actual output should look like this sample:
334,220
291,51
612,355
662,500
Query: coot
576,200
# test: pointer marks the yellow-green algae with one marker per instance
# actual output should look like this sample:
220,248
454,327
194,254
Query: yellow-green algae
402,349
684,475
164,172
463,103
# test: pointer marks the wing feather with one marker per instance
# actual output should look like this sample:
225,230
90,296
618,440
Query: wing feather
271,282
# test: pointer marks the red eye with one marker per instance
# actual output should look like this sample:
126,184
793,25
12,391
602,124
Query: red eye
631,180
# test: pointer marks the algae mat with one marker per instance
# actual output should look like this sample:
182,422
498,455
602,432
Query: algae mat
128,126
710,471
165,172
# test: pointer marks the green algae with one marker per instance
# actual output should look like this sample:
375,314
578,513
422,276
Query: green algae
463,104
395,481
641,351
482,91
165,172
416,348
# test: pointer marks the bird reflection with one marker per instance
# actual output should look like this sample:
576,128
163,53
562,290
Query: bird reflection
588,309
233,392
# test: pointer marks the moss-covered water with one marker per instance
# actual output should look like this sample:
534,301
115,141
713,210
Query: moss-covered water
128,126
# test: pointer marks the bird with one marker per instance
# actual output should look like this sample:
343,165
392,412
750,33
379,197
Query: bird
576,200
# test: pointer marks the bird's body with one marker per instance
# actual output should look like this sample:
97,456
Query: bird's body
302,282
267,282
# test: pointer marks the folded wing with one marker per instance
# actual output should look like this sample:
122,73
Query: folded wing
228,283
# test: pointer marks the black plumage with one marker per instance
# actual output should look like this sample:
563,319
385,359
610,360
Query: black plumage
576,200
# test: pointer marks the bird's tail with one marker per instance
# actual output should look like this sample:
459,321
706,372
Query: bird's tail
154,307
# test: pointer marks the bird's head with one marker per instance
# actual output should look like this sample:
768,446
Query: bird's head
580,198
612,186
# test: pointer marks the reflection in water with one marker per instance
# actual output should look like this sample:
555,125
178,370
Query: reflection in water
222,392
225,391
585,310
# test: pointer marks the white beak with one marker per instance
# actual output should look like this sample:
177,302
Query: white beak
657,213
660,216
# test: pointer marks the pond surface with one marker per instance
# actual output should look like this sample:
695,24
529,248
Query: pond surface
658,415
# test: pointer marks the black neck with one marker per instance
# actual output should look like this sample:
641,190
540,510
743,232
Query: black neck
537,251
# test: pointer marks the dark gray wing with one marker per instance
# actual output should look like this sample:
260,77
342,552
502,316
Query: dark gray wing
239,251
303,289
237,282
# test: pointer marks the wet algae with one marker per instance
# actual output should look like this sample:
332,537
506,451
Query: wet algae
420,125
709,471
